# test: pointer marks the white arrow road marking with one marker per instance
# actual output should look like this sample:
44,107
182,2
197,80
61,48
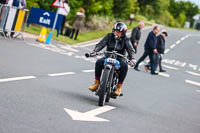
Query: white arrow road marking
90,115
192,82
60,74
169,67
193,73
87,71
164,75
17,78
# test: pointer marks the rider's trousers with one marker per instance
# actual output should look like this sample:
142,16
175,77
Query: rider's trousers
100,65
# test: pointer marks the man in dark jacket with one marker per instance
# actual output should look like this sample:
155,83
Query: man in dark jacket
135,35
161,50
19,3
124,45
149,50
3,1
161,47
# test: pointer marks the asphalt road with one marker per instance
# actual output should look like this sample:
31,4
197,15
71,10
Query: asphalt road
39,83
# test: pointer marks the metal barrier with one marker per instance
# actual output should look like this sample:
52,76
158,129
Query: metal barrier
3,18
13,20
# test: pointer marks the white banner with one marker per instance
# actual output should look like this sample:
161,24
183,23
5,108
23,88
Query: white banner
10,19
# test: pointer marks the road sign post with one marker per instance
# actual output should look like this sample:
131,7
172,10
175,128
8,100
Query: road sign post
58,4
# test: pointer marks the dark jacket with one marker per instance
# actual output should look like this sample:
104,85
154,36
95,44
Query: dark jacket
151,42
135,35
2,1
161,44
123,45
17,2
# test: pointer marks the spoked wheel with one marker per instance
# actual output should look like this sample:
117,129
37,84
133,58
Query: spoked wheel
103,87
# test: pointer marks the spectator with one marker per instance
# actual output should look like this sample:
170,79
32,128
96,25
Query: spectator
161,50
3,1
64,11
135,35
19,3
150,50
78,23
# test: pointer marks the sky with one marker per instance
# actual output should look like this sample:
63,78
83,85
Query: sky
197,2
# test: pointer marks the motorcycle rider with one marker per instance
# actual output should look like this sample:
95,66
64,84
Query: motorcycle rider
123,45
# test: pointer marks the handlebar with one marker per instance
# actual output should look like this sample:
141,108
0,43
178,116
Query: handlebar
87,55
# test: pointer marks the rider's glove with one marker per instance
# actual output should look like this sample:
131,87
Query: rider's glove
93,53
132,62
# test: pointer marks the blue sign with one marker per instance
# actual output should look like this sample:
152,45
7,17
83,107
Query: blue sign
44,18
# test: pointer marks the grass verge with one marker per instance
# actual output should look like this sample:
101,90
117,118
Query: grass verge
82,37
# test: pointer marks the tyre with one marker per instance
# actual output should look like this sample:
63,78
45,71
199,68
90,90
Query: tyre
103,87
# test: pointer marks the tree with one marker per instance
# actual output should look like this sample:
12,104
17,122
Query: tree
32,3
123,8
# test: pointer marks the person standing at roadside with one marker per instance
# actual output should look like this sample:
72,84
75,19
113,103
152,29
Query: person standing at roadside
64,11
3,1
78,23
149,50
135,35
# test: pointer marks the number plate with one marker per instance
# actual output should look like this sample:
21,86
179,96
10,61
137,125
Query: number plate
110,60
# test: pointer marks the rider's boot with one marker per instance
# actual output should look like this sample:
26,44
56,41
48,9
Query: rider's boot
94,86
118,90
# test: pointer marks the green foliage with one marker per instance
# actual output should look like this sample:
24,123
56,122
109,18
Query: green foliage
32,3
169,12
180,9
181,19
46,4
123,8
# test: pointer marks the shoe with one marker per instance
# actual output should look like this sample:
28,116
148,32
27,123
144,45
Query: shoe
95,86
162,70
136,68
118,90
154,73
146,67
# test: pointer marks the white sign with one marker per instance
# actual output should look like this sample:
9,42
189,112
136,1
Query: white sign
45,21
58,3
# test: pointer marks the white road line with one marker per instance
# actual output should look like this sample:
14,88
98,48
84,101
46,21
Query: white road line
172,46
70,49
87,71
198,91
17,78
193,73
87,45
183,38
178,42
164,75
60,74
166,51
169,67
192,82
142,63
